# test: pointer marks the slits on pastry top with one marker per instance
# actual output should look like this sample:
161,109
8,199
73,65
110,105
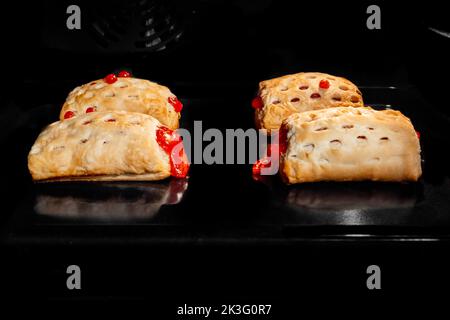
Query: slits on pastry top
339,114
280,97
359,141
125,94
360,123
101,143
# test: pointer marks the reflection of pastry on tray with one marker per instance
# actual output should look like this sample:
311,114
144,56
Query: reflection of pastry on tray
280,97
349,144
106,146
352,196
124,93
108,201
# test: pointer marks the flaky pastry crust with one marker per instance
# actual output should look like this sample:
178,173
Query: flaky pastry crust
126,94
349,144
300,92
100,146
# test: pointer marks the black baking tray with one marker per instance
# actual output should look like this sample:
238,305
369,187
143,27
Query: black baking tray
225,203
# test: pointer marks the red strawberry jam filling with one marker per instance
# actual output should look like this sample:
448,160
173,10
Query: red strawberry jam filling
274,150
282,139
257,103
324,84
110,78
124,74
264,162
69,114
167,138
177,105
179,165
90,109
172,144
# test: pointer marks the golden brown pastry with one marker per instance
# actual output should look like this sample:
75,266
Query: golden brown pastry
346,143
114,145
280,97
124,94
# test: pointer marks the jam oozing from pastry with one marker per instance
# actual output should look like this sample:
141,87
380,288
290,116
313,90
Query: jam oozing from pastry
177,105
90,109
124,74
110,78
274,150
315,96
179,165
282,140
172,144
257,103
324,84
264,162
167,138
418,134
69,114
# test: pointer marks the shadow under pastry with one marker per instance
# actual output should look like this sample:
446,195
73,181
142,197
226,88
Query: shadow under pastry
108,202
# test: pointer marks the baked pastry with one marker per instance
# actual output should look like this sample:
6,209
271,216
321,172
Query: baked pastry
124,94
346,144
108,146
280,97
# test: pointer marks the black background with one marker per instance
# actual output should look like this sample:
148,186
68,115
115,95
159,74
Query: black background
226,48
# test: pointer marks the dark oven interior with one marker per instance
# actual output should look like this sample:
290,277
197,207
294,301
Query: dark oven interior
213,54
